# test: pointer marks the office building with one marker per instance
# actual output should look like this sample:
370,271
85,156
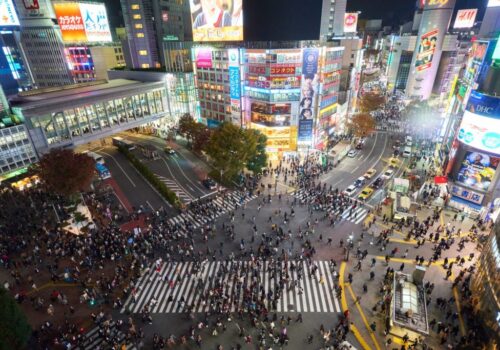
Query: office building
332,19
42,44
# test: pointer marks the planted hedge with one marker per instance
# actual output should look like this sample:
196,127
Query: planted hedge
166,192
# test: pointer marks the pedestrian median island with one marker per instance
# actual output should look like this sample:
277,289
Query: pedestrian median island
159,186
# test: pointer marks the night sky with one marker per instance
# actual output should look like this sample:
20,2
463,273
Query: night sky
300,19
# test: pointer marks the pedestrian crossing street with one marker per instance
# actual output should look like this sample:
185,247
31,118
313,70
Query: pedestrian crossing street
223,206
311,294
356,216
395,127
174,186
94,340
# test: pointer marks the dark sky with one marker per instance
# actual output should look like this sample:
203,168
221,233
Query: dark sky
300,19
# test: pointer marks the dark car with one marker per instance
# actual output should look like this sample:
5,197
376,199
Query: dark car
378,183
209,183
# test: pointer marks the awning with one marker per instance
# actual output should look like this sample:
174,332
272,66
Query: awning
439,180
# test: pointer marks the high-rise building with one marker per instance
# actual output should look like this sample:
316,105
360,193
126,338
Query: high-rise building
149,23
433,27
42,44
332,19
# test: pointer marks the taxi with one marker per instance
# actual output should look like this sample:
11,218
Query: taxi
370,173
366,193
393,162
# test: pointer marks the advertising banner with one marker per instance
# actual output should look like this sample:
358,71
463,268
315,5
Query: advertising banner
234,82
426,50
465,18
310,62
466,194
214,21
203,58
488,106
31,4
350,22
477,170
480,132
283,70
234,57
82,22
8,15
309,90
260,70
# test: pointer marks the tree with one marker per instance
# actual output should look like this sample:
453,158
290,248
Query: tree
66,172
259,159
15,330
370,102
187,126
201,136
361,125
230,148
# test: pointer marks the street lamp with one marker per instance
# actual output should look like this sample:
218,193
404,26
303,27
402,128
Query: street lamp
350,245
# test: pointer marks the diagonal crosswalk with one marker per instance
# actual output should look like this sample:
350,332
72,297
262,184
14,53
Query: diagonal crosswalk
221,205
96,338
174,286
356,216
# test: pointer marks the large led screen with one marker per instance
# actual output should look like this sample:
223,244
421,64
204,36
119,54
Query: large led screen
8,15
477,170
217,20
480,132
83,22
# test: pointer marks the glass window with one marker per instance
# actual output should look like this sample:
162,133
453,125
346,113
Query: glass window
135,7
143,53
145,65
110,108
140,35
136,16
136,103
120,111
138,26
93,117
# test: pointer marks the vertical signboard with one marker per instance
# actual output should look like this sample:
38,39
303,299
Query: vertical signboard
8,15
235,85
426,49
350,22
309,89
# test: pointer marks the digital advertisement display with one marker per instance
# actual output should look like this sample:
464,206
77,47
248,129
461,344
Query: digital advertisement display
309,90
480,132
83,22
8,15
217,20
465,18
426,49
350,22
477,170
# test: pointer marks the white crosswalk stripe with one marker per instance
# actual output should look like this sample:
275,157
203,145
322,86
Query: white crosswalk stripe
356,216
174,186
396,126
177,281
95,340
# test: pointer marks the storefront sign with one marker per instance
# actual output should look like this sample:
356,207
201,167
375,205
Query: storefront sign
283,70
261,70
234,57
466,194
234,83
203,58
465,18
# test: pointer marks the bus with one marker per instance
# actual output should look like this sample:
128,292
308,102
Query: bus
96,157
102,171
120,141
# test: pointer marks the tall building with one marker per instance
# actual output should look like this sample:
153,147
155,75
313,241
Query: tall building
14,73
151,22
106,57
42,44
332,19
434,24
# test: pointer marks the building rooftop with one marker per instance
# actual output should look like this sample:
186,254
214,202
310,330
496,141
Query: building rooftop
79,94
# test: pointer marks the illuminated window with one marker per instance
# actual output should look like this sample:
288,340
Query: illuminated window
143,52
135,7
137,16
140,35
145,65
138,26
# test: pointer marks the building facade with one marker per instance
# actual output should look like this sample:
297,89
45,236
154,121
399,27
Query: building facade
332,19
14,73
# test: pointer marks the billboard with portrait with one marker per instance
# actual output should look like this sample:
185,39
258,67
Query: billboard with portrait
426,49
477,170
309,90
8,15
350,22
217,20
83,22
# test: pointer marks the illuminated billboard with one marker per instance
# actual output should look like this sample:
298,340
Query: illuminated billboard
83,22
480,132
493,3
477,170
8,15
426,49
203,58
350,22
496,53
465,18
217,20
309,91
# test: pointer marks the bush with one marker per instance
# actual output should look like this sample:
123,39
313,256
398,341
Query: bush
164,191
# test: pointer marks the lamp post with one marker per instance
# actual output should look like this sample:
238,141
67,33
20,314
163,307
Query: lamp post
350,245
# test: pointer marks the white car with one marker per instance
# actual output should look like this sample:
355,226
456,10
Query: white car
350,190
388,174
352,153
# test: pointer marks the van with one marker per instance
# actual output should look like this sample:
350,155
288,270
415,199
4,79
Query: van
409,139
407,152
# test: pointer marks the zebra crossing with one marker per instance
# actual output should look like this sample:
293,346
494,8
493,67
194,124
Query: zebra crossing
397,126
356,216
314,292
95,340
174,186
223,204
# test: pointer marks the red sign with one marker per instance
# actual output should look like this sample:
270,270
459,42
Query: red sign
31,4
439,180
256,70
283,70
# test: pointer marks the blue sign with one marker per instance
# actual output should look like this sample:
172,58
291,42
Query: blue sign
234,82
212,123
310,61
485,105
305,130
